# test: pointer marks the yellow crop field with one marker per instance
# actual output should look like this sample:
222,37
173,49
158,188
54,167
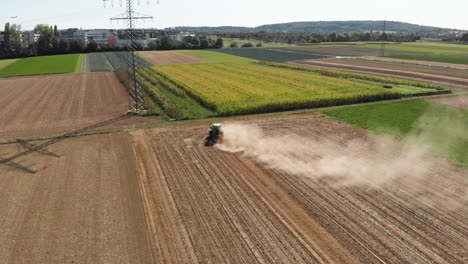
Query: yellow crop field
242,88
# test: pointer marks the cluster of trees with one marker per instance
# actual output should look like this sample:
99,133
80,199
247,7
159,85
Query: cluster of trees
11,46
49,42
302,38
189,42
464,37
245,45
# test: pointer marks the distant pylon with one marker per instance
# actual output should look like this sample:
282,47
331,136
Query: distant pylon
133,61
382,45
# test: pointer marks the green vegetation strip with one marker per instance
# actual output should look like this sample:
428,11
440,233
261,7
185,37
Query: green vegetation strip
360,76
441,128
171,97
4,63
43,65
456,59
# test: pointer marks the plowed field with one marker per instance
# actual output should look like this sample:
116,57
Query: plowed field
82,206
59,103
207,205
168,58
436,74
460,101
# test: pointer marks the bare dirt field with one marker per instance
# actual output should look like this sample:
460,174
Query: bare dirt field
82,206
168,58
460,101
457,78
415,62
208,205
59,103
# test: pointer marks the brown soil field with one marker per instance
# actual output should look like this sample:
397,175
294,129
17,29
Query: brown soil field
168,58
82,206
419,68
59,103
460,101
414,62
437,75
206,205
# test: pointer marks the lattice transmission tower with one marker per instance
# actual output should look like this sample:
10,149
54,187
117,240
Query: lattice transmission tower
133,61
384,34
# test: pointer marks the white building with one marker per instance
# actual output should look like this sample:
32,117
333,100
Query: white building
29,38
101,36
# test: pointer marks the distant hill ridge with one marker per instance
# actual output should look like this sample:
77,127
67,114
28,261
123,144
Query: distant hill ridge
322,27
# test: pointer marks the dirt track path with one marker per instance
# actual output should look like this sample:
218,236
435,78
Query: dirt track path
222,207
81,207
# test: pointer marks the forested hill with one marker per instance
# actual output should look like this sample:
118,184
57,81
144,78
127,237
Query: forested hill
322,27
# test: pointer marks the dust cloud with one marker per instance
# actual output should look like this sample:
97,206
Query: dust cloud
372,160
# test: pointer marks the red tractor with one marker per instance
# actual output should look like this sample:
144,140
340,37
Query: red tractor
215,135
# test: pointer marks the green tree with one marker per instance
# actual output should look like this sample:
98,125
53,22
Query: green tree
46,35
153,45
76,46
219,43
92,46
234,45
195,42
464,37
204,44
64,46
15,39
167,43
7,39
259,45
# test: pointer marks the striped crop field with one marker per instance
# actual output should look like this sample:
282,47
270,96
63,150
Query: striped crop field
207,89
245,88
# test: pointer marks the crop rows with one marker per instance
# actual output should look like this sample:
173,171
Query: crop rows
275,55
152,85
97,62
252,88
171,96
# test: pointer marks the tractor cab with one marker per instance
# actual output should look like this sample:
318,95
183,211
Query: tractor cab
215,135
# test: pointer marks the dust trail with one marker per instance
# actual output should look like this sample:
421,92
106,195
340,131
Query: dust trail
373,160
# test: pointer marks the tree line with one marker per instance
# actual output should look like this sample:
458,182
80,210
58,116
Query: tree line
307,38
51,42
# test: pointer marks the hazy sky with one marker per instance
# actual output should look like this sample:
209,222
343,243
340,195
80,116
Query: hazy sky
170,13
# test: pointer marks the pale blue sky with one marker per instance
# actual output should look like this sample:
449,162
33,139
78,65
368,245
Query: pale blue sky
169,13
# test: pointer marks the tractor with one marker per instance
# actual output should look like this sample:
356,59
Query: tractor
215,135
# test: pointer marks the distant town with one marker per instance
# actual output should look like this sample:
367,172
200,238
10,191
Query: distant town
49,40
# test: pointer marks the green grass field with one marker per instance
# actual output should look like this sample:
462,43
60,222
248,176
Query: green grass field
4,63
440,128
214,57
43,65
435,52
